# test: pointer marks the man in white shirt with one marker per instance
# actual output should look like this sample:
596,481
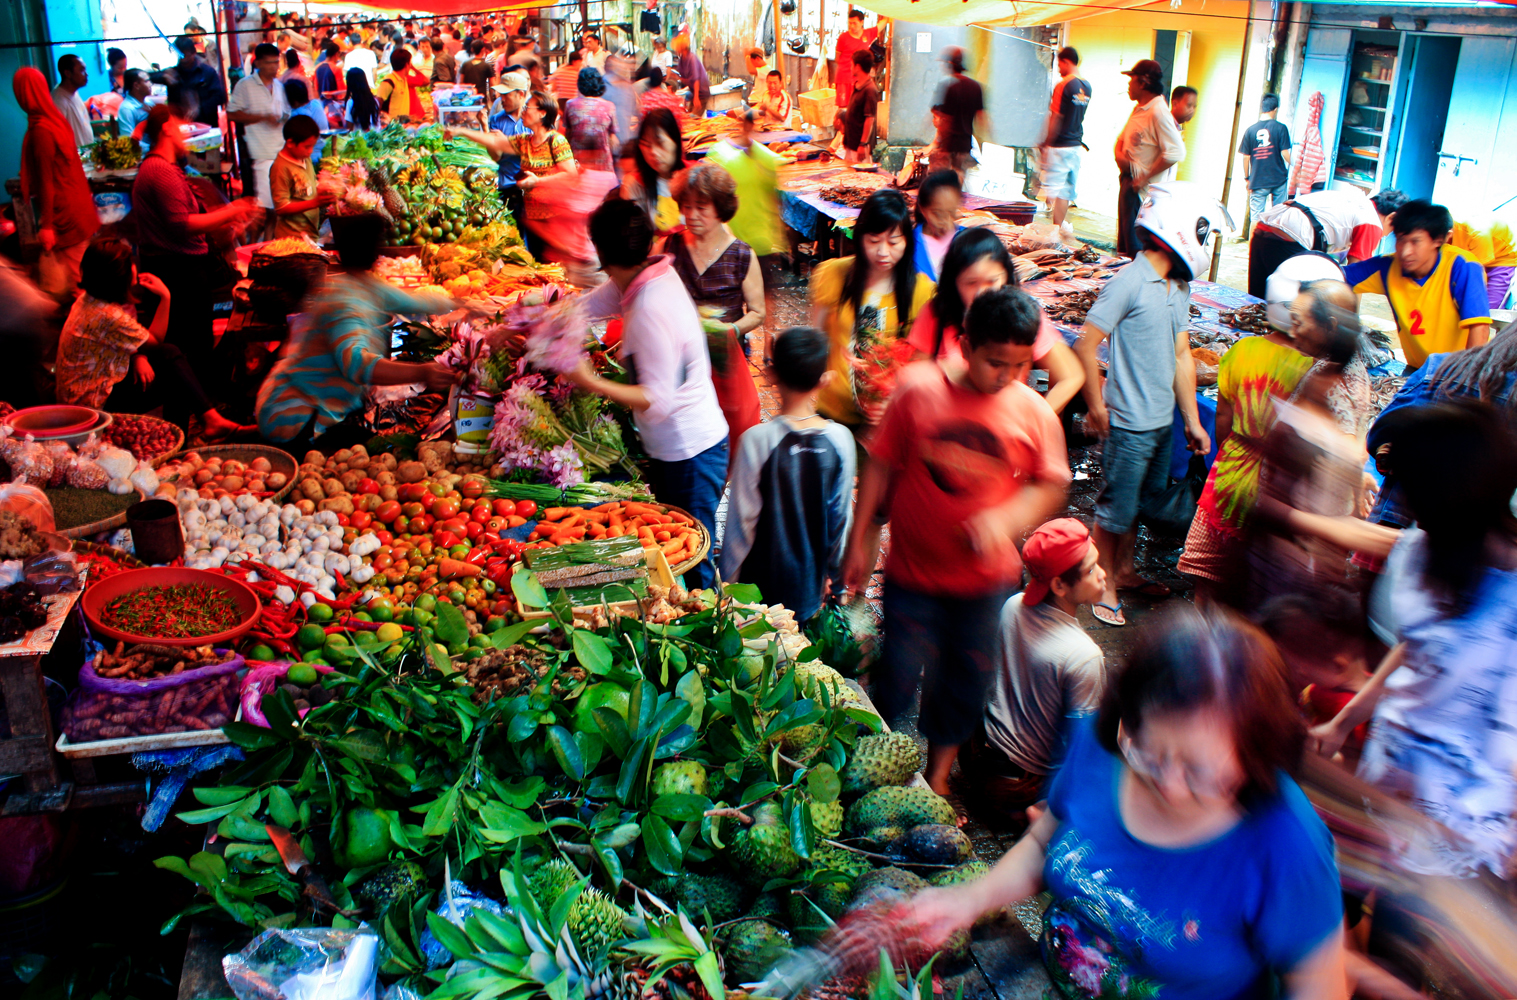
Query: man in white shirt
258,103
1345,220
758,68
360,56
595,53
72,76
1147,149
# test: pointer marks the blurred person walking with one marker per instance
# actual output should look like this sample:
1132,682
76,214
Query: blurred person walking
52,178
959,107
1064,139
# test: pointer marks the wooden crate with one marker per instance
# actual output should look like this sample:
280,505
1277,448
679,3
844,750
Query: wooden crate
658,573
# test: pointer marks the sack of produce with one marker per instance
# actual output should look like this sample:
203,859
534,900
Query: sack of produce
149,689
301,681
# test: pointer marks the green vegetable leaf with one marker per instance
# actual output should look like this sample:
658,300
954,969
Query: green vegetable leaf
440,814
823,784
802,830
450,937
503,823
511,634
365,744
528,590
681,807
591,651
693,692
711,975
450,626
197,816
282,808
743,593
614,729
217,795
664,851
633,773
566,752
249,736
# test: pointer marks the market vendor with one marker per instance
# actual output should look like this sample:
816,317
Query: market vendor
1436,290
344,346
1182,859
1490,242
1340,221
657,157
672,398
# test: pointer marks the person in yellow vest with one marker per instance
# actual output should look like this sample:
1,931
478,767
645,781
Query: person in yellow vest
1436,290
1490,243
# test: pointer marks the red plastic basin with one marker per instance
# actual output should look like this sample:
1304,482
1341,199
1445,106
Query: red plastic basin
98,594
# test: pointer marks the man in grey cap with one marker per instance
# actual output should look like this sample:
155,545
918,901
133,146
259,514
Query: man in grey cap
513,88
1147,149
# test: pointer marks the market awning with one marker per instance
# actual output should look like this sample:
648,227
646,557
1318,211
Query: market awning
995,13
437,6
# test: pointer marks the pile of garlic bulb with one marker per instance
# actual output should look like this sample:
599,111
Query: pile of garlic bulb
307,547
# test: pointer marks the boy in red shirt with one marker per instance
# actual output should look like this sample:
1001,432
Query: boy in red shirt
969,461
1324,644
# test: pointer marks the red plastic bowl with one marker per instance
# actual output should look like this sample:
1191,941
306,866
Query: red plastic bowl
98,595
53,421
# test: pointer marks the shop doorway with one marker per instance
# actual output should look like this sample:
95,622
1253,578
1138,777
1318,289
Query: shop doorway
1424,115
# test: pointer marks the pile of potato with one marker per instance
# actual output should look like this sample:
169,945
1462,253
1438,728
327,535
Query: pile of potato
216,477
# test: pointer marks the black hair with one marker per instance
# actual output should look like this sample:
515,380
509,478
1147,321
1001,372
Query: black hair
1179,92
156,120
1389,201
299,128
291,59
799,358
358,239
955,58
1070,576
773,72
185,44
1070,53
296,94
67,60
1340,327
130,76
968,247
578,55
1177,264
864,60
113,56
1004,315
365,107
622,233
884,211
591,82
1434,220
656,77
656,120
1269,102
548,105
1481,371
105,271
854,12
932,184
1316,626
400,59
263,49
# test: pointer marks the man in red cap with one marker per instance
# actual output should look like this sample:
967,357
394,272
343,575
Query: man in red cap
1048,670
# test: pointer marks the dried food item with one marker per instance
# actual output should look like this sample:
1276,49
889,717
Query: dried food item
1195,311
29,461
1249,319
1207,356
109,708
19,537
74,507
1088,254
145,660
1071,307
182,611
21,610
500,673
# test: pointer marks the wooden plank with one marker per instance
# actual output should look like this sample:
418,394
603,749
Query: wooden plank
141,744
201,977
22,687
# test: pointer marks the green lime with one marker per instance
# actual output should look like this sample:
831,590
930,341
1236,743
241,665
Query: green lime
436,232
366,838
337,641
314,656
459,551
457,596
406,617
311,636
480,641
363,616
302,674
389,632
603,695
494,624
472,653
319,612
426,602
261,652
381,613
420,617
367,640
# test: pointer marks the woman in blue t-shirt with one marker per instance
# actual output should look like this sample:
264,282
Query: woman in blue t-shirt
1184,863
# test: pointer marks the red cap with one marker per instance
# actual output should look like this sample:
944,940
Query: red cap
1054,548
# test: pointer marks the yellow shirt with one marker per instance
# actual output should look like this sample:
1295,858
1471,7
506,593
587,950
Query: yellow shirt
878,323
1490,245
1432,316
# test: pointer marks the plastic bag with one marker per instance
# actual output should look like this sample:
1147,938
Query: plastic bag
107,709
63,461
457,905
264,680
52,572
29,461
30,502
306,963
1171,512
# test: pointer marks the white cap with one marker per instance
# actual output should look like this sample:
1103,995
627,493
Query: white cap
1281,288
1184,218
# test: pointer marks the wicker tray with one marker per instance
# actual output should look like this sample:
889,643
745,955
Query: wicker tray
106,524
282,461
153,459
705,548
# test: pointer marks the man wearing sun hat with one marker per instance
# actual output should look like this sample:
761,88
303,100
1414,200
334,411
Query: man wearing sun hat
1048,669
513,88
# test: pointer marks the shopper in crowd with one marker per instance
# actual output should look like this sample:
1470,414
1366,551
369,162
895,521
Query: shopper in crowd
622,94
1145,313
424,61
864,303
1489,242
595,52
661,93
405,94
1147,150
1182,103
590,123
173,227
362,110
959,107
1266,152
1048,673
362,58
856,39
514,89
52,178
477,72
962,465
672,399
1181,858
293,70
659,155
107,360
692,73
302,105
444,63
1341,221
722,275
72,76
258,104
194,84
297,202
977,262
757,64
863,109
1436,291
564,83
115,68
1064,139
329,73
1325,644
661,58
792,487
755,172
939,200
133,109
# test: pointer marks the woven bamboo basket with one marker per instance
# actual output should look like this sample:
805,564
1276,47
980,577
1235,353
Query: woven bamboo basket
153,460
282,461
105,524
704,550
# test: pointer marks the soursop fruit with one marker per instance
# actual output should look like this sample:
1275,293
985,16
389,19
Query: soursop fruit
885,885
770,905
680,777
752,948
808,921
762,851
596,923
959,874
827,817
392,884
938,844
551,880
879,761
718,895
831,894
899,807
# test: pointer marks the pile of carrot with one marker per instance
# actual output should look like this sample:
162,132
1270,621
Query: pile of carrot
655,525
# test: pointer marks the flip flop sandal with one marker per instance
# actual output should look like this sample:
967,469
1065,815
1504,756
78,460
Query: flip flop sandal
1116,618
1149,588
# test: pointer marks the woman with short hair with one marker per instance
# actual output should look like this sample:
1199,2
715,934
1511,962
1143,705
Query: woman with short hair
590,123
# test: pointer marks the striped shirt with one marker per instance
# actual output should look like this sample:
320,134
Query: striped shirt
162,200
331,357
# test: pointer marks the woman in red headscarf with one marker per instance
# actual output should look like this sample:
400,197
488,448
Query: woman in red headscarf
52,174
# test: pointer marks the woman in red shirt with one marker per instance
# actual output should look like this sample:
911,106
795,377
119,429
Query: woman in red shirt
52,173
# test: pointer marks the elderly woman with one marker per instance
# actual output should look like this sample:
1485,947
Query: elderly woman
722,275
590,123
1182,859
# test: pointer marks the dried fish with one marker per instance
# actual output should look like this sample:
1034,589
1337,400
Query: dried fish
1249,319
1071,307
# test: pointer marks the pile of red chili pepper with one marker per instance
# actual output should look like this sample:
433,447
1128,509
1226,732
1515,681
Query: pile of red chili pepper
183,611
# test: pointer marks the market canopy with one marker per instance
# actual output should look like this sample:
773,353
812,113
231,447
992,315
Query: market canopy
449,7
995,13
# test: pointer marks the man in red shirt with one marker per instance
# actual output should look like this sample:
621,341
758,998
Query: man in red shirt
852,41
969,460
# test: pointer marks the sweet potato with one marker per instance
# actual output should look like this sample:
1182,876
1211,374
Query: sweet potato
410,472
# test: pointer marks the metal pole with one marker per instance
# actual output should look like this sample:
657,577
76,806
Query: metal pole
1232,143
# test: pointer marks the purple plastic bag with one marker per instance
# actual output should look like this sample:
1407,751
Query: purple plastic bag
104,708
